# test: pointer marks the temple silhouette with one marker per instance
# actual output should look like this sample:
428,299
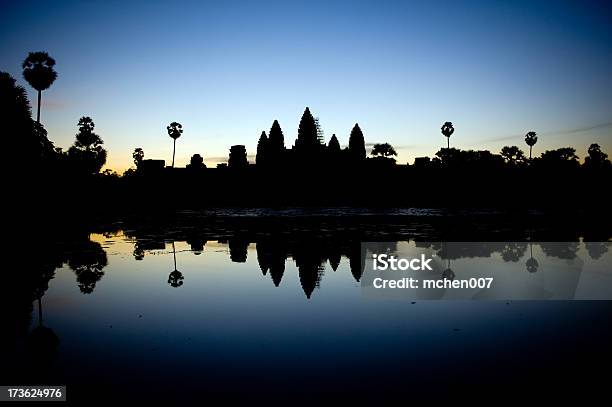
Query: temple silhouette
310,172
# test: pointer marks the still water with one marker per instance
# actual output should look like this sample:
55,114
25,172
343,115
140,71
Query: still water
147,316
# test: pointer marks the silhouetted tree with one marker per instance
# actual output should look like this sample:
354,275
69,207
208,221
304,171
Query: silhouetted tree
43,148
138,156
39,73
356,147
175,130
447,131
531,139
196,162
237,157
469,159
138,252
87,152
27,141
449,156
561,158
383,150
513,251
512,155
262,150
596,159
87,260
15,107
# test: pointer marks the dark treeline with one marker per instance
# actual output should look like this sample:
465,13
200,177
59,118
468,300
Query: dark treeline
309,172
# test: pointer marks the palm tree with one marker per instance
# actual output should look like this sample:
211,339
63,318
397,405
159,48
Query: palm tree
175,279
447,131
531,139
174,131
39,73
138,156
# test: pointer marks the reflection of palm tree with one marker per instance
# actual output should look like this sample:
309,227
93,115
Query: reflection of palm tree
175,279
175,130
448,274
531,264
531,139
39,73
447,131
43,341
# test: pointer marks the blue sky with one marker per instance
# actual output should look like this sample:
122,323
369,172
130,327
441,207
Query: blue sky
227,69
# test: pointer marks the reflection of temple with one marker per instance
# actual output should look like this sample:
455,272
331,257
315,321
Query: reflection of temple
196,244
271,256
238,250
310,257
310,266
311,252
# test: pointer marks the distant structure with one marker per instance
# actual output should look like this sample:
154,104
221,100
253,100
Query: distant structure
151,166
237,157
196,163
422,162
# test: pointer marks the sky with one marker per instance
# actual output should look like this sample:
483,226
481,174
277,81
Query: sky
227,69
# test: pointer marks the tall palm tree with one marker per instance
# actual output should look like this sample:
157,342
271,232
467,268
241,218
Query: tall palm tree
174,131
447,131
39,73
531,139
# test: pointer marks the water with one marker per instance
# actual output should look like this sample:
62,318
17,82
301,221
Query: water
141,314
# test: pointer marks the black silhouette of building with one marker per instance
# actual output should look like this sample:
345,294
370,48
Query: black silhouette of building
238,157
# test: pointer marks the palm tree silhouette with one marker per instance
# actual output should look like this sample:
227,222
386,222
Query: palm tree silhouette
531,139
448,274
43,341
39,73
175,279
175,130
447,131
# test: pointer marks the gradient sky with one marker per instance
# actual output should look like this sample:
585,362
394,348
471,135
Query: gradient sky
227,69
